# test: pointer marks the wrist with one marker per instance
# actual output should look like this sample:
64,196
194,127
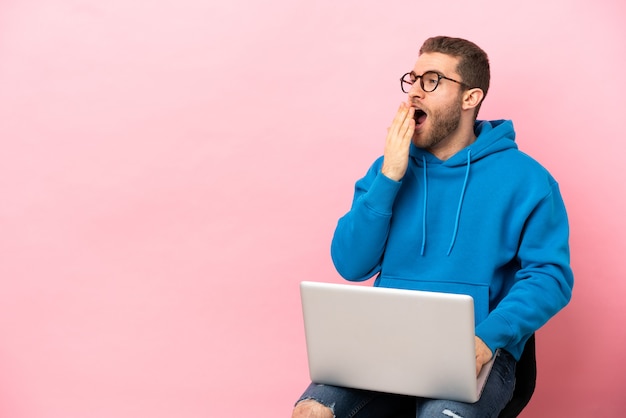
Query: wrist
390,174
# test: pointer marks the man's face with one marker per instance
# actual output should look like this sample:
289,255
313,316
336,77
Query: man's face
438,113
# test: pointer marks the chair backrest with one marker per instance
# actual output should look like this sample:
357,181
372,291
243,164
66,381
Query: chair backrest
525,380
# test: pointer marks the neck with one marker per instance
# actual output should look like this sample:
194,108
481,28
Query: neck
462,137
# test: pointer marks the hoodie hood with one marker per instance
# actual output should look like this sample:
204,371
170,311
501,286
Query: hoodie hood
491,137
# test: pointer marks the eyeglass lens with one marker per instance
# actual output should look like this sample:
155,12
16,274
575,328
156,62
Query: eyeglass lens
428,81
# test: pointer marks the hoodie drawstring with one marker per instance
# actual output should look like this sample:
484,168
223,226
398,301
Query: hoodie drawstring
458,211
425,202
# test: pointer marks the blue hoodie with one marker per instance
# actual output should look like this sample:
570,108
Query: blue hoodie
489,222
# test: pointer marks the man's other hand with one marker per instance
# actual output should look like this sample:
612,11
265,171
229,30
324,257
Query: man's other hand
483,354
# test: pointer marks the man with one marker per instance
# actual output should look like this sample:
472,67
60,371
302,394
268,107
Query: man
454,206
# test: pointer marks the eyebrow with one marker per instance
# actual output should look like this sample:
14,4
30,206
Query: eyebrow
427,71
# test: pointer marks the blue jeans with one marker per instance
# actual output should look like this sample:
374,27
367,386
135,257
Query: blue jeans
356,403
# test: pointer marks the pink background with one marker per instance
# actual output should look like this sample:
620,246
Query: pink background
170,171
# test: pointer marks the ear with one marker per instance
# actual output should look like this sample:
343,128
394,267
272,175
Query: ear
472,98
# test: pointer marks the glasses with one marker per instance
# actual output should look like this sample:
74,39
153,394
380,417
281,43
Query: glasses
428,81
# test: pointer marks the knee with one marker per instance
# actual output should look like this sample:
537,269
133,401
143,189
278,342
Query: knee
311,409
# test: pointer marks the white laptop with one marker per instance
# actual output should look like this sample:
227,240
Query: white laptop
392,340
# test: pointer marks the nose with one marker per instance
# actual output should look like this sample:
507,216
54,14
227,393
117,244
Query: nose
416,91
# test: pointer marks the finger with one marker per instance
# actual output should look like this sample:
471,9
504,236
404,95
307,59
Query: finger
408,125
400,117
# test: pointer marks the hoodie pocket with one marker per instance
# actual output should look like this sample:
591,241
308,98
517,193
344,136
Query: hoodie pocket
479,292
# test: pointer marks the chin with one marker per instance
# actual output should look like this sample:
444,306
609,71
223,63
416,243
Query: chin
420,140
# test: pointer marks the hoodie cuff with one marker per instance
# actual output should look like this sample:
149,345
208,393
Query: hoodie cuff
382,194
495,331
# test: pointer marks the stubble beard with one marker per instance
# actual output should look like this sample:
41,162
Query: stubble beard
443,123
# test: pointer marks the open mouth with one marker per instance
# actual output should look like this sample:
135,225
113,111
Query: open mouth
419,116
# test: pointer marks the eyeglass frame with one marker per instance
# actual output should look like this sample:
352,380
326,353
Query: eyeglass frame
421,79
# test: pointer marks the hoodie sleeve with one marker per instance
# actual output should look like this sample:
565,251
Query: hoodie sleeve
544,283
359,241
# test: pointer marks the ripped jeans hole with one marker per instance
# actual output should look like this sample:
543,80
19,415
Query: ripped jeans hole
319,402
